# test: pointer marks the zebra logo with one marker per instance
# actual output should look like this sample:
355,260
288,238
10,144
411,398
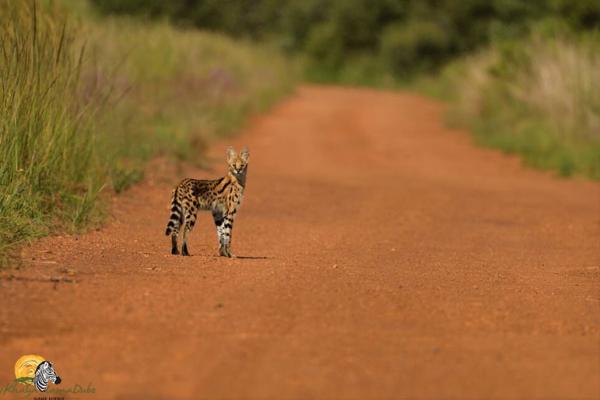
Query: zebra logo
35,370
45,373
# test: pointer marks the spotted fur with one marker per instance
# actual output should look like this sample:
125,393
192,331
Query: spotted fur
222,197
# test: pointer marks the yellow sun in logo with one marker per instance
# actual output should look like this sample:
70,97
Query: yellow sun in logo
26,365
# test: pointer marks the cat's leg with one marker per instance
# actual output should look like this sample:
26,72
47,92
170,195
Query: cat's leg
223,231
174,249
227,227
184,247
218,218
189,225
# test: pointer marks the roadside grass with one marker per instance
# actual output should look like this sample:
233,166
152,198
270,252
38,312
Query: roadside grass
178,89
539,99
86,101
49,172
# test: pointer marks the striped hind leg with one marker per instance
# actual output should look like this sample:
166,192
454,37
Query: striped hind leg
179,224
174,249
190,221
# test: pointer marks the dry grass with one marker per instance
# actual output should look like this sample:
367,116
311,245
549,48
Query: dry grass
563,83
539,98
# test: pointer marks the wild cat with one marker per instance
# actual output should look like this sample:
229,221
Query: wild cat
221,196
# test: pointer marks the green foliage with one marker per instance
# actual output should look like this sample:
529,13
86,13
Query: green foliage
538,98
414,46
84,105
582,14
403,37
49,169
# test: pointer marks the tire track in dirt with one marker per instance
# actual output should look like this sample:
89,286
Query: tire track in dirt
383,257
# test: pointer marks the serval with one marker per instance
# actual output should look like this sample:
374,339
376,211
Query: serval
221,196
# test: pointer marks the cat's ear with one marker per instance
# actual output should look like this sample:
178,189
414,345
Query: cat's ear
245,154
231,155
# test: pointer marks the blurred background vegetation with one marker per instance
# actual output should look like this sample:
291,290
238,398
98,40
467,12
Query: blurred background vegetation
398,38
522,75
92,89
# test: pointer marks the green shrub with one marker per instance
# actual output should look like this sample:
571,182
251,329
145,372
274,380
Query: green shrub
581,14
335,33
539,98
322,47
414,46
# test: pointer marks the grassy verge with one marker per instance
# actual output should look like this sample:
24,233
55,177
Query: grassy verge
539,99
84,103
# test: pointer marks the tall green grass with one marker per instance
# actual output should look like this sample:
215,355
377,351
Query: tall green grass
86,101
49,172
538,98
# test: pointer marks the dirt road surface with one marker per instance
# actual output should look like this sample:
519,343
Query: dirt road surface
381,256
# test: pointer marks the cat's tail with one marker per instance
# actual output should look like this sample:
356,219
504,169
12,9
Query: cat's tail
176,217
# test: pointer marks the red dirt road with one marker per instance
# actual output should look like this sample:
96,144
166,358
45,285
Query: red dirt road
382,257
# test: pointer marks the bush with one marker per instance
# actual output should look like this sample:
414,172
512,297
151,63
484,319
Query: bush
324,48
405,36
415,46
581,14
539,98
